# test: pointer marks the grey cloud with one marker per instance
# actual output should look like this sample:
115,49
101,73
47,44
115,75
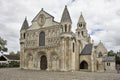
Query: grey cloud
116,41
118,12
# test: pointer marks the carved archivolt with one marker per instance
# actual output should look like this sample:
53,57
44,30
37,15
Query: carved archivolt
40,54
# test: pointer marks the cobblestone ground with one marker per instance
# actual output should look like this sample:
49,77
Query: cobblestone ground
18,74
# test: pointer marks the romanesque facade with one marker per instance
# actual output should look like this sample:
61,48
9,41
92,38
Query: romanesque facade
50,45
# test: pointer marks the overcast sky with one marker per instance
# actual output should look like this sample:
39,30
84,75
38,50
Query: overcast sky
102,18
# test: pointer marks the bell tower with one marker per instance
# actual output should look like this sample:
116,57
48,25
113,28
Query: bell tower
81,33
67,41
66,21
81,30
23,29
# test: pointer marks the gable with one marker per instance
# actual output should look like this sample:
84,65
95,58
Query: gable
2,58
43,19
47,15
101,48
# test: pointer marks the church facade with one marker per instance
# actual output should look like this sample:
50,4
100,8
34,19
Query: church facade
50,45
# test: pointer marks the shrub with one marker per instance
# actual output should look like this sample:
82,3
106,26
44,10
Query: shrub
3,65
11,64
14,64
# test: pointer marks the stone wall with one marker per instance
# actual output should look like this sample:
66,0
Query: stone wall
87,59
109,66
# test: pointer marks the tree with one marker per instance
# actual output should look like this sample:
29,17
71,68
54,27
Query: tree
18,53
12,53
3,44
117,60
111,53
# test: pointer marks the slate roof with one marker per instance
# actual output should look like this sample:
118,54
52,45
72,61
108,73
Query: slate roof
81,19
12,57
109,58
87,50
25,25
66,16
2,58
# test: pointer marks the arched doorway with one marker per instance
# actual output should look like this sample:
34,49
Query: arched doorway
84,65
43,62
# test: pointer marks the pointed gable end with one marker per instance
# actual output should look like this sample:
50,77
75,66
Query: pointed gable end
47,15
101,47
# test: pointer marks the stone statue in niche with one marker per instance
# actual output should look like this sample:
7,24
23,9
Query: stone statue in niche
41,20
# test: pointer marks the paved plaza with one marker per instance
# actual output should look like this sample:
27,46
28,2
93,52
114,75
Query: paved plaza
18,74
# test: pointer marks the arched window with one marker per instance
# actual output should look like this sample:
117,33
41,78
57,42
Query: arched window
108,63
80,25
73,47
62,28
69,28
82,33
42,39
100,54
24,35
65,27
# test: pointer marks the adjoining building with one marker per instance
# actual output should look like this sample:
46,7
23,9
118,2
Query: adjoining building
118,54
9,58
50,45
109,63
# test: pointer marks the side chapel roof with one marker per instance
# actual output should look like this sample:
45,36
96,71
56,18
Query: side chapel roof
87,50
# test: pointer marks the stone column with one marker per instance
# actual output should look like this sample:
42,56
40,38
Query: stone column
48,61
34,61
65,48
92,61
63,55
39,59
69,54
22,56
77,51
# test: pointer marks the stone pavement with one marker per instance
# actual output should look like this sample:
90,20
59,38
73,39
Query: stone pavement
18,74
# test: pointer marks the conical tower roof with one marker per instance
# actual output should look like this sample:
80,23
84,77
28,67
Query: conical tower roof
81,19
66,16
25,25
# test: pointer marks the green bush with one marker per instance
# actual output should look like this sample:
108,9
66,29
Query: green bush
14,64
3,65
117,60
11,64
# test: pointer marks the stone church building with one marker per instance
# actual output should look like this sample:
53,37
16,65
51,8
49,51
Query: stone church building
50,45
